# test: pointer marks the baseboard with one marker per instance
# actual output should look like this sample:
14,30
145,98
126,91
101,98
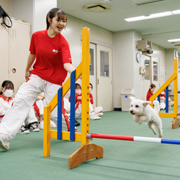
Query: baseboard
117,109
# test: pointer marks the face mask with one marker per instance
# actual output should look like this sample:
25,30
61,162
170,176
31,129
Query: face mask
8,93
90,90
78,92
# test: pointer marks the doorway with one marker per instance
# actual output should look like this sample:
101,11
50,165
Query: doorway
101,76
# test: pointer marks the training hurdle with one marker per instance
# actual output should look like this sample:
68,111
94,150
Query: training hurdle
133,138
87,150
174,77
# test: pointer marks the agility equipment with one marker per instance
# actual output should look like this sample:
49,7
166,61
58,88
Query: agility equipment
133,138
87,150
174,77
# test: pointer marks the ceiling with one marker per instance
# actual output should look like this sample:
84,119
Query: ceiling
157,30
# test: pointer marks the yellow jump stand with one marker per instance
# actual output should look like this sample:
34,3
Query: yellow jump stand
174,77
86,151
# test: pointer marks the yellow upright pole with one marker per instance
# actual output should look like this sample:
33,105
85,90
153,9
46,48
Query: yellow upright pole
87,150
176,87
85,84
46,133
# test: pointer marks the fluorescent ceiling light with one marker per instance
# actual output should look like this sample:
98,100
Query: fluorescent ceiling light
151,16
176,12
168,13
173,40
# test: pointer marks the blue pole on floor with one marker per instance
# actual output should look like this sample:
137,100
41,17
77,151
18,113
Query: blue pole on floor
167,102
72,108
59,115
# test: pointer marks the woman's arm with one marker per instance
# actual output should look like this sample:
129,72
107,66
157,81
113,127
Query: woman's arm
68,67
79,98
30,61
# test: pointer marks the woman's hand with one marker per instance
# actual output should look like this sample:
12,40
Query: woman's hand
26,75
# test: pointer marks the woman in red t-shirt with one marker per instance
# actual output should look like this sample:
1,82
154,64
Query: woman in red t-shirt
150,91
50,53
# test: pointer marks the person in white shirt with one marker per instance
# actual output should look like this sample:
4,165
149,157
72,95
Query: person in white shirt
6,102
39,105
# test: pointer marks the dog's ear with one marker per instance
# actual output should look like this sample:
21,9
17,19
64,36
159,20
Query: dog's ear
132,98
145,103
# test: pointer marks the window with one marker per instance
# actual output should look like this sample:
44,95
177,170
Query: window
147,68
155,71
104,63
92,62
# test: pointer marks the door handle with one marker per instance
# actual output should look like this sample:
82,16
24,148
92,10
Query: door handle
13,70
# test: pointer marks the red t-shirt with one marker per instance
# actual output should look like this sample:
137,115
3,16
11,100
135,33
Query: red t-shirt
148,96
162,95
91,98
76,96
51,54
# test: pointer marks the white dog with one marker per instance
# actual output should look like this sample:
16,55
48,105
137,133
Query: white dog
143,112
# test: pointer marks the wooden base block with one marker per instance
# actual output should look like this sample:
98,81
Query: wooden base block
175,123
85,153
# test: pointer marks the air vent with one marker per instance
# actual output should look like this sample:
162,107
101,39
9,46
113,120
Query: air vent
177,45
96,7
144,2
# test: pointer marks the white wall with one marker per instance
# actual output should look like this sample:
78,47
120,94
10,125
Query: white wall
73,34
42,7
169,61
6,5
33,11
123,70
137,78
126,68
160,53
23,10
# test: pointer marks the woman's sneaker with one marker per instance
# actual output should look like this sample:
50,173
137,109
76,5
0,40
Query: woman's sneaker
41,125
94,117
99,114
52,124
4,141
23,130
33,127
77,123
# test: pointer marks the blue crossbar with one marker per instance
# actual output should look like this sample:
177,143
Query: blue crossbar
170,141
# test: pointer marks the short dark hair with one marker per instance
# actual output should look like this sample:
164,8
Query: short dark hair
7,85
77,85
152,86
91,85
52,13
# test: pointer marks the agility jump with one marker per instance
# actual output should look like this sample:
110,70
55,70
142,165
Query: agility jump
174,77
87,150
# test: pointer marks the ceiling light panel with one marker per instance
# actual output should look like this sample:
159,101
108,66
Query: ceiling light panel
151,16
173,40
144,2
176,12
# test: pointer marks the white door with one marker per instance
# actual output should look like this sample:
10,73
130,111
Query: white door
93,74
19,38
155,71
147,78
104,78
152,73
4,43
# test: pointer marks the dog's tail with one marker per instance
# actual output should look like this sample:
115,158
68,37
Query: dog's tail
156,106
